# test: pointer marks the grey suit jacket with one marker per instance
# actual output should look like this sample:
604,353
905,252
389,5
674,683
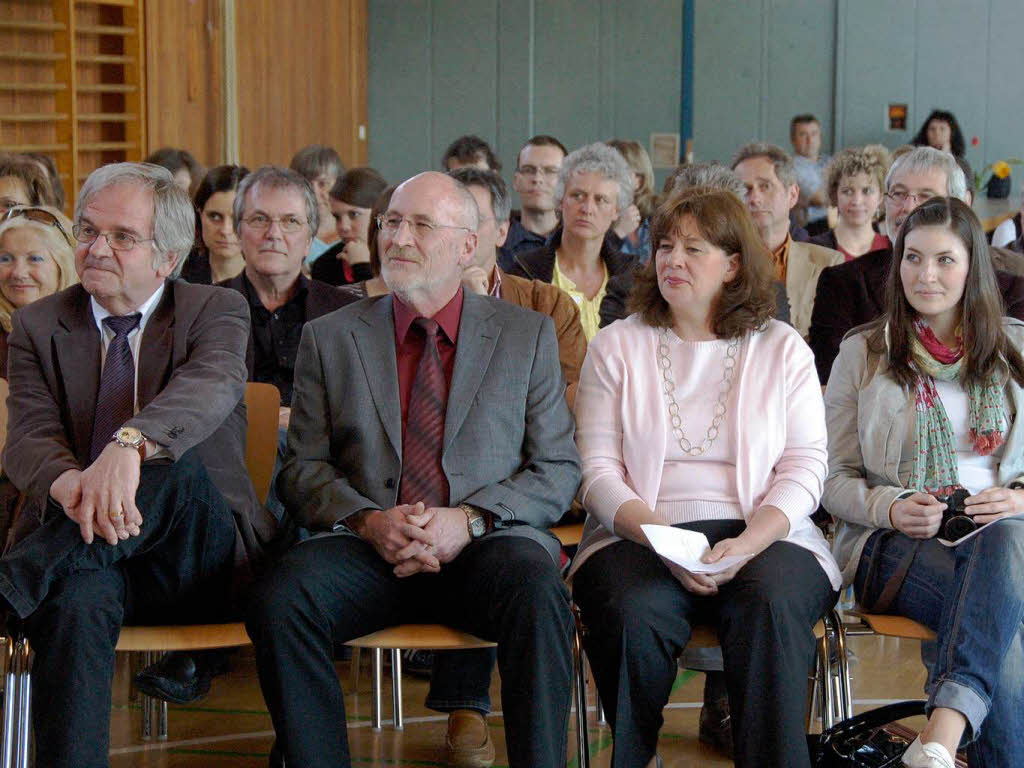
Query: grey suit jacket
508,437
191,381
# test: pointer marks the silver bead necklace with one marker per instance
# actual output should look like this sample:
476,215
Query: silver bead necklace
669,388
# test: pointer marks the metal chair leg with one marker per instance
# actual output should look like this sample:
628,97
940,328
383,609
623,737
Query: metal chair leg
7,742
161,719
396,689
23,653
827,689
580,695
147,703
842,667
375,707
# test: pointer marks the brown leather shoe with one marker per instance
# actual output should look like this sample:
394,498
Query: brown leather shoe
468,742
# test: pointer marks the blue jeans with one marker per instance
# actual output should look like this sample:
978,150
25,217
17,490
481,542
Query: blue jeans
972,597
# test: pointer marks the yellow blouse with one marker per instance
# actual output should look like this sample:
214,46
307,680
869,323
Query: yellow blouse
590,317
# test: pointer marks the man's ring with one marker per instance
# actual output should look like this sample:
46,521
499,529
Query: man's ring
116,515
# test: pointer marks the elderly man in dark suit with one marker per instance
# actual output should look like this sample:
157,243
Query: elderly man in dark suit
430,435
126,439
852,294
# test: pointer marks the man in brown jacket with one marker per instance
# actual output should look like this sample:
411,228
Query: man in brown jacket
486,277
460,679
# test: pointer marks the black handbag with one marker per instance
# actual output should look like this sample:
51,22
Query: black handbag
868,740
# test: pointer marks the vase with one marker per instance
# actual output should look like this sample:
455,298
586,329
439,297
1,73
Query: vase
997,188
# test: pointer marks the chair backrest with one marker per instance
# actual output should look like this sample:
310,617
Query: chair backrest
262,404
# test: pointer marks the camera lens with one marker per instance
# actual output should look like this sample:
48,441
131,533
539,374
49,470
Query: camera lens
959,526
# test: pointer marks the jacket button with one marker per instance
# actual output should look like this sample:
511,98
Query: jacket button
389,483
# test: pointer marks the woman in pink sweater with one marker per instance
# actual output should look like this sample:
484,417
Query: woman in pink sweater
701,412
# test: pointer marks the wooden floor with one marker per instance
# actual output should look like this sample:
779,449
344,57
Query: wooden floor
230,727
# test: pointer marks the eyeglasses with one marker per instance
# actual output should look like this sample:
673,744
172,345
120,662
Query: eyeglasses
900,196
41,215
260,222
118,241
533,170
389,224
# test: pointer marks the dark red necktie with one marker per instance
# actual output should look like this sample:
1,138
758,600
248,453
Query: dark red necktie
422,476
115,402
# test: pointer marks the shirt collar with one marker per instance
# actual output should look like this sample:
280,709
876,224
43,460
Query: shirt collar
447,317
146,309
495,283
783,250
301,286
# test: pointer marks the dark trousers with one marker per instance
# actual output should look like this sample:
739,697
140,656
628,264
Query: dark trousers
335,588
638,619
461,680
74,597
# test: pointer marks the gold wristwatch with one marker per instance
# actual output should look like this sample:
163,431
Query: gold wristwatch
130,437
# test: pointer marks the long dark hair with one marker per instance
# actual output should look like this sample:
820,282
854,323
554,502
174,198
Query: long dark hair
956,136
988,351
223,178
747,302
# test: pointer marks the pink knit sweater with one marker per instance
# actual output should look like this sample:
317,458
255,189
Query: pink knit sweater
778,430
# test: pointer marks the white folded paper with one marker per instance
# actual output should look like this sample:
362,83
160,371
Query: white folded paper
685,548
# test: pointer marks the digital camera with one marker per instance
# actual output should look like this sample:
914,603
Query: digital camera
956,523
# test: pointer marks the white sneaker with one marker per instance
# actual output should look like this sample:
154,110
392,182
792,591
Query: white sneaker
930,755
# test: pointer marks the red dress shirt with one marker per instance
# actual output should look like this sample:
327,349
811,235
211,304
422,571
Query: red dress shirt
409,346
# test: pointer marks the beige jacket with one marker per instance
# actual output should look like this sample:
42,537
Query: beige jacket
866,412
803,266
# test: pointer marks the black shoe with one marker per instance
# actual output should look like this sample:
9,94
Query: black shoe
715,720
418,663
174,678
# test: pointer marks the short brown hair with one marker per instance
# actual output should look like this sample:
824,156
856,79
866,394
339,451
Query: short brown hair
747,302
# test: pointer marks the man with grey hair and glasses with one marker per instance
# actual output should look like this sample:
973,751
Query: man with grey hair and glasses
853,293
276,216
127,443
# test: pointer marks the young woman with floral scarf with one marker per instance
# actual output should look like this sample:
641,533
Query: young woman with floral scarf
920,403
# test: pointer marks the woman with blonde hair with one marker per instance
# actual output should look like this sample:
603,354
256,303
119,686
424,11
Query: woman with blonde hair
37,258
855,180
633,226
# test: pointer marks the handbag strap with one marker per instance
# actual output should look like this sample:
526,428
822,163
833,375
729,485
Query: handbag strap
885,599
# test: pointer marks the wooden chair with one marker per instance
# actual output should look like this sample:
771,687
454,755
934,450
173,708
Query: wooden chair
436,637
262,403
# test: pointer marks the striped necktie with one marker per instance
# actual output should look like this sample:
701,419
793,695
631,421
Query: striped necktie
115,403
423,478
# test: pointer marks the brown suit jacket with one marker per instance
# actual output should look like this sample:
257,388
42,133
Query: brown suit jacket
555,303
191,384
